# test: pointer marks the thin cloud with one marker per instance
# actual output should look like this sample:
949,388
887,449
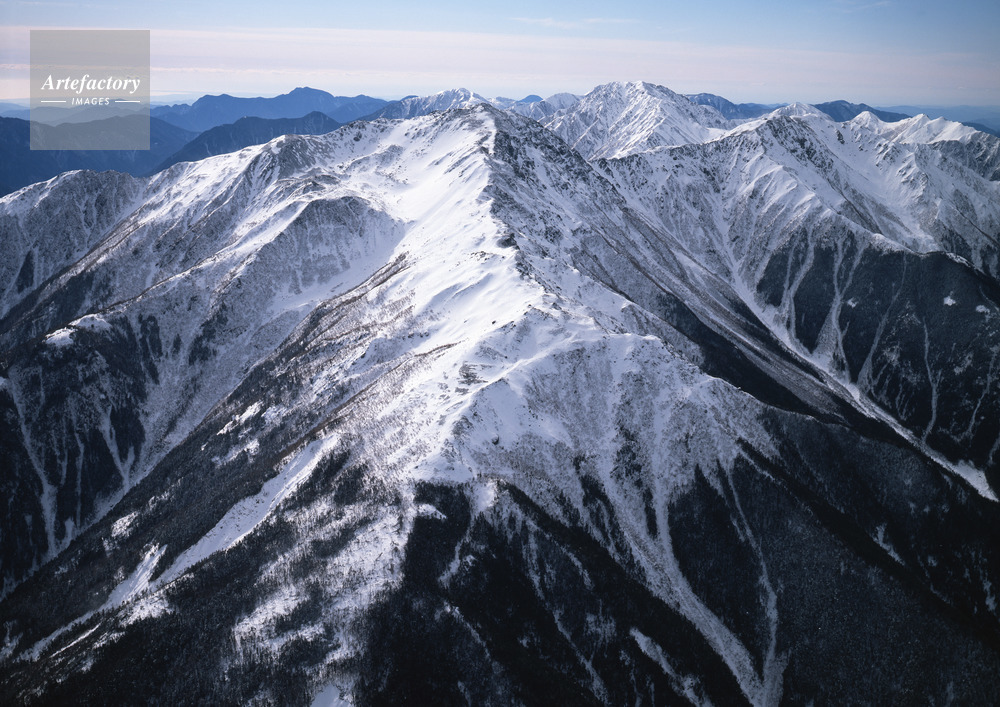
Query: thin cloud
397,62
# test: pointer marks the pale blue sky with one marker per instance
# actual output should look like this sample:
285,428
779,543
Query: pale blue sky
875,51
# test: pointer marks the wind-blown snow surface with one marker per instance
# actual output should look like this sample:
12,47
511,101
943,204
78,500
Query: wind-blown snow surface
438,411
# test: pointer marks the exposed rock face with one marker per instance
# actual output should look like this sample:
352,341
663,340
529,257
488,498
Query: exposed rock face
444,410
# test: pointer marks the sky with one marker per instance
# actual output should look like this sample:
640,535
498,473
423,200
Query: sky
880,52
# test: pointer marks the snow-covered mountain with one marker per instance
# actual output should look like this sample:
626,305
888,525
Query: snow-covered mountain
731,110
895,299
540,110
415,106
246,132
637,405
621,118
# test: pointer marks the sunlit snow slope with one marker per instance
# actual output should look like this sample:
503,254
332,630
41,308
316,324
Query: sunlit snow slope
635,406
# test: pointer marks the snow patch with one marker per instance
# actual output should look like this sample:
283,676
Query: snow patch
92,322
248,513
123,525
60,338
272,414
333,696
976,479
250,412
148,607
138,581
655,653
425,510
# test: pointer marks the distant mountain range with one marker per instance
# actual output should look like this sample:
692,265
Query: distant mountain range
210,111
985,119
978,117
530,106
212,125
248,131
843,110
838,110
169,144
732,110
20,165
218,124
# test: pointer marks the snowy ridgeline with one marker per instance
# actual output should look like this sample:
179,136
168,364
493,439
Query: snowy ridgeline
610,401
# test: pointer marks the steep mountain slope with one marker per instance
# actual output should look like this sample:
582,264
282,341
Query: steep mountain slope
622,118
436,410
856,242
246,132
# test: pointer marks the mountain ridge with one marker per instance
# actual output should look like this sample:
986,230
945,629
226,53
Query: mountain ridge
245,132
598,419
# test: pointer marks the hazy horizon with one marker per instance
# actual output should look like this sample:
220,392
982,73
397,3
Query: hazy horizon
879,52
188,98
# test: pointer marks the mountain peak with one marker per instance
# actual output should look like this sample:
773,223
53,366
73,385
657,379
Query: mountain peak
621,118
869,120
919,129
307,91
412,107
800,110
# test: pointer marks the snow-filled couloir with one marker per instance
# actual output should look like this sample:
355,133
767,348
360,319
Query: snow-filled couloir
634,404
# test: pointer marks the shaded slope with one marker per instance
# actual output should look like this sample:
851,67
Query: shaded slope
476,419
